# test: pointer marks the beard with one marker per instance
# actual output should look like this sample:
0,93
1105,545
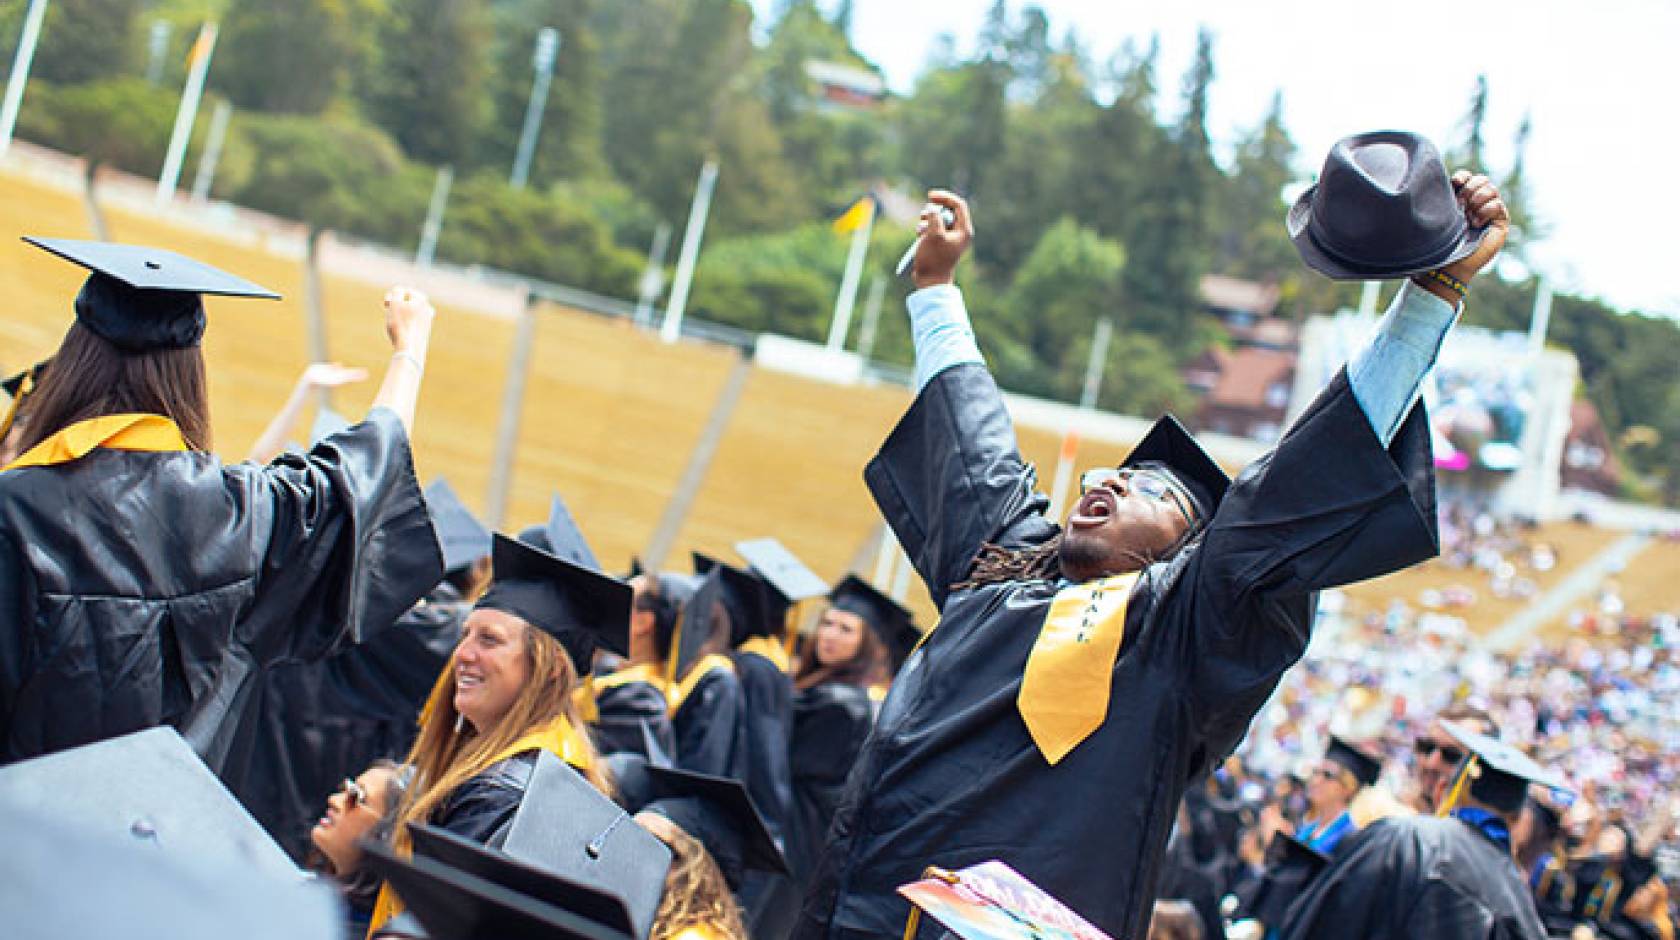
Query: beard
1083,556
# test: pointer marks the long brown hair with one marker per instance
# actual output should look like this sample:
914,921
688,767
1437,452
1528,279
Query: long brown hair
866,667
696,894
444,758
91,377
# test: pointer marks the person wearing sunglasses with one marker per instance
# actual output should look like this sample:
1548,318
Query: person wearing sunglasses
1082,675
365,807
1436,754
1338,778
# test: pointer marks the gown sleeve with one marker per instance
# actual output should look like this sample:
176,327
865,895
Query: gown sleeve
708,727
1365,892
950,478
16,613
350,542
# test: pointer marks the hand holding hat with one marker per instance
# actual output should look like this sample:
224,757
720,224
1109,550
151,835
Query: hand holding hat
1484,209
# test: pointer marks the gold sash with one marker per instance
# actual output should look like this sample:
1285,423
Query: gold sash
136,432
1070,671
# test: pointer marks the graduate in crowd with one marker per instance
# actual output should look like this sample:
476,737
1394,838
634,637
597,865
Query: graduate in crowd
120,623
705,693
15,417
508,693
364,807
832,707
320,721
1184,595
1338,778
1438,755
632,709
1447,877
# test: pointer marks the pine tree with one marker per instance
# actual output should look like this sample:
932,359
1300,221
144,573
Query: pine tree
293,58
569,139
86,40
428,87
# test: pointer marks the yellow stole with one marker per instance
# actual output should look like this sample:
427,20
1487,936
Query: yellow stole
1070,671
558,737
705,667
592,686
136,432
769,649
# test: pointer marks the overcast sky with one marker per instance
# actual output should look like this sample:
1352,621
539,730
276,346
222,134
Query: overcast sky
1601,80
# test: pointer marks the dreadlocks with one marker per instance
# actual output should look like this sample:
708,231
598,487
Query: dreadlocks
995,564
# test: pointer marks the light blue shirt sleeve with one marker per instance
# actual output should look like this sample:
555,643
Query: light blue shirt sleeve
1387,375
940,331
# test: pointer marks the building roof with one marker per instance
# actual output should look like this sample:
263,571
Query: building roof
1248,373
1231,293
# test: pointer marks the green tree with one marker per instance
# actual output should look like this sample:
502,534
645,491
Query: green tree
121,122
86,40
1069,281
427,87
1466,152
293,57
543,234
569,145
318,170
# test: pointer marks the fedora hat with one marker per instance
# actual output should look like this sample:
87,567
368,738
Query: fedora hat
1383,208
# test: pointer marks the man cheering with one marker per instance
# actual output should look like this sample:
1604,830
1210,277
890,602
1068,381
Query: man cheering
1081,676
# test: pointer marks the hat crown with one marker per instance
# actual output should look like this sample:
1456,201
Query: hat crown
1384,200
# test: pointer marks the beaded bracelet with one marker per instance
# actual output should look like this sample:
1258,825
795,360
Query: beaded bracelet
1448,281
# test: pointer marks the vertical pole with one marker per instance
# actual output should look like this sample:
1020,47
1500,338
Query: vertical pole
844,301
1540,321
434,217
212,152
513,404
157,47
542,62
871,316
886,558
690,253
315,318
20,71
1064,473
901,577
1095,365
1368,298
202,50
653,277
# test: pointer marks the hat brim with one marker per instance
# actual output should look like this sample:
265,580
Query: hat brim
1299,223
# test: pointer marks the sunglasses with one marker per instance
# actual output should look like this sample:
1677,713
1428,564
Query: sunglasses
1450,754
1138,480
354,791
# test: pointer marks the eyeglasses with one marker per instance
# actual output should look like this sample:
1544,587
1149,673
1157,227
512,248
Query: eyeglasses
1450,754
1138,480
358,796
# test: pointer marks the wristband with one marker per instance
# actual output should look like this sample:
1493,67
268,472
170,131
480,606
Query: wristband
1446,280
419,366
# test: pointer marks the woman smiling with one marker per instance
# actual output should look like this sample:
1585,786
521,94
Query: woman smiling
508,694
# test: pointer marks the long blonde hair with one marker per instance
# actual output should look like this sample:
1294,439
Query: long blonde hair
697,898
443,758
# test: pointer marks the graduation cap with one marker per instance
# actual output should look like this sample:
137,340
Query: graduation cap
453,904
745,596
578,606
781,570
890,620
140,298
696,622
719,813
566,827
1499,773
65,880
148,789
19,387
464,539
1290,866
560,536
1169,444
1365,768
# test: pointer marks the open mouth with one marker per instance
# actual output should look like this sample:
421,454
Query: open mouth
1094,509
465,681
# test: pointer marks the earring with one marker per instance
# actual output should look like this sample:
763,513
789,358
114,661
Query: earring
460,722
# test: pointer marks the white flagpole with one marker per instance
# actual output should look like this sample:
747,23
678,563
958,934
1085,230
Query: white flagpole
671,329
203,48
433,225
20,72
847,298
212,152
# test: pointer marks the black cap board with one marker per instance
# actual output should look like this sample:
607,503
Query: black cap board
575,605
782,569
567,827
13,384
561,536
1168,443
1365,768
1501,774
721,814
890,620
464,539
147,788
140,298
455,905
747,598
59,879
698,620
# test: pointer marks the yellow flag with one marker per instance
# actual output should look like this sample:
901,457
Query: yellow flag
201,46
856,217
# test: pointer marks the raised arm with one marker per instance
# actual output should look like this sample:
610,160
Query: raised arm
408,322
317,375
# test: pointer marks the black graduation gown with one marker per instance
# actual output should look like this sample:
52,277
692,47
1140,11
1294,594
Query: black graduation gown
1417,876
950,776
142,589
481,808
830,721
770,902
708,727
630,713
322,722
